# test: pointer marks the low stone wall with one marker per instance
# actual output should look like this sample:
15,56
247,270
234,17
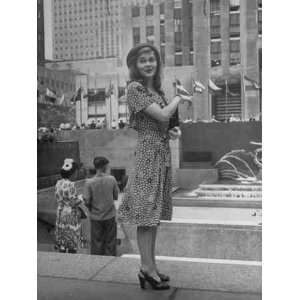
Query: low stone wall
219,138
117,145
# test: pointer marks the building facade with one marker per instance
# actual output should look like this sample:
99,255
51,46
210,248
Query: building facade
83,29
40,32
60,82
203,40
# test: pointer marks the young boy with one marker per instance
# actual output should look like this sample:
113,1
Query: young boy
100,192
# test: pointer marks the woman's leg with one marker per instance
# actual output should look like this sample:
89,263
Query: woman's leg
154,234
144,240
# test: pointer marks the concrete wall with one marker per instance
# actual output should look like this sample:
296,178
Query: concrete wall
117,145
220,138
50,156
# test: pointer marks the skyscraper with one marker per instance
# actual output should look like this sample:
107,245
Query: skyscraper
84,29
206,39
40,32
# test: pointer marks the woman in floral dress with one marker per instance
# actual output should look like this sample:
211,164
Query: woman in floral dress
68,225
147,198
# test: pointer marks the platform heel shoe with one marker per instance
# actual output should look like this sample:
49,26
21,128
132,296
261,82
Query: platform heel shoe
155,285
163,277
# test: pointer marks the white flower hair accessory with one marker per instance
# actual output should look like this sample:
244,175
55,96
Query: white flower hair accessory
68,163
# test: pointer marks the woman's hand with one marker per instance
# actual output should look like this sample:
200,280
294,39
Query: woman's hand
175,133
185,98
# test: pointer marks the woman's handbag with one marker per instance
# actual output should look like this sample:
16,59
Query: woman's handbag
83,210
174,120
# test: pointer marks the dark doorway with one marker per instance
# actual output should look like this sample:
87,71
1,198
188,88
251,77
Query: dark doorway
121,177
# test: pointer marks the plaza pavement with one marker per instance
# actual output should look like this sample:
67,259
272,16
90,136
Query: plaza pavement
81,276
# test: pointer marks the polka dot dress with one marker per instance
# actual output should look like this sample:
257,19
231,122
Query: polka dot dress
147,198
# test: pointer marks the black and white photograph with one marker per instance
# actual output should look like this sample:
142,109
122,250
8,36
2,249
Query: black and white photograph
146,154
149,149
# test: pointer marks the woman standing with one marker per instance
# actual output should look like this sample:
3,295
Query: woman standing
68,225
147,198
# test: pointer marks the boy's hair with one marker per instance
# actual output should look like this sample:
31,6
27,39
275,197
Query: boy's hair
100,162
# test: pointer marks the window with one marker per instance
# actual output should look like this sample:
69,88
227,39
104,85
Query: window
135,11
177,4
191,58
234,47
259,19
215,53
215,26
259,4
234,5
162,34
178,38
234,20
149,30
177,25
234,23
162,53
214,5
178,60
136,35
177,13
161,8
150,34
149,10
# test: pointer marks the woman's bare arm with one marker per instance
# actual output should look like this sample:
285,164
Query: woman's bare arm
165,113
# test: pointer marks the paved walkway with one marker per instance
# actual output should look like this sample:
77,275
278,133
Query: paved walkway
50,288
80,276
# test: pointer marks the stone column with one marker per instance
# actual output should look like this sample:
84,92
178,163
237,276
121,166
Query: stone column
225,4
185,33
249,55
169,32
126,32
201,41
142,19
156,23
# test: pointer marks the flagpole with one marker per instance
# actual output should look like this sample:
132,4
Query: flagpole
226,97
110,104
243,94
80,105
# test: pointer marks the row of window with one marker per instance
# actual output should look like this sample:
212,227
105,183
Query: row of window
216,52
80,55
82,2
135,10
57,84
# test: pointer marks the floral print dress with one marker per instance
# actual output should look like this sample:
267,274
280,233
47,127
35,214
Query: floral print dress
68,225
147,197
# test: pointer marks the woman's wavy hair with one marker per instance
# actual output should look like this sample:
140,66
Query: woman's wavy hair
134,73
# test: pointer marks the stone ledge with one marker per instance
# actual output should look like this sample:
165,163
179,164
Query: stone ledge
189,275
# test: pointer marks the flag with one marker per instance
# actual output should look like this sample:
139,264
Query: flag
50,94
76,96
251,84
198,86
212,87
61,99
229,92
180,89
110,90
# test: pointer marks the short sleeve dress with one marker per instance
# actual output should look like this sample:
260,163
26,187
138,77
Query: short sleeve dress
68,225
147,198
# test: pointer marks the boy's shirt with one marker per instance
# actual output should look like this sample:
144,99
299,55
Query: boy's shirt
99,194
